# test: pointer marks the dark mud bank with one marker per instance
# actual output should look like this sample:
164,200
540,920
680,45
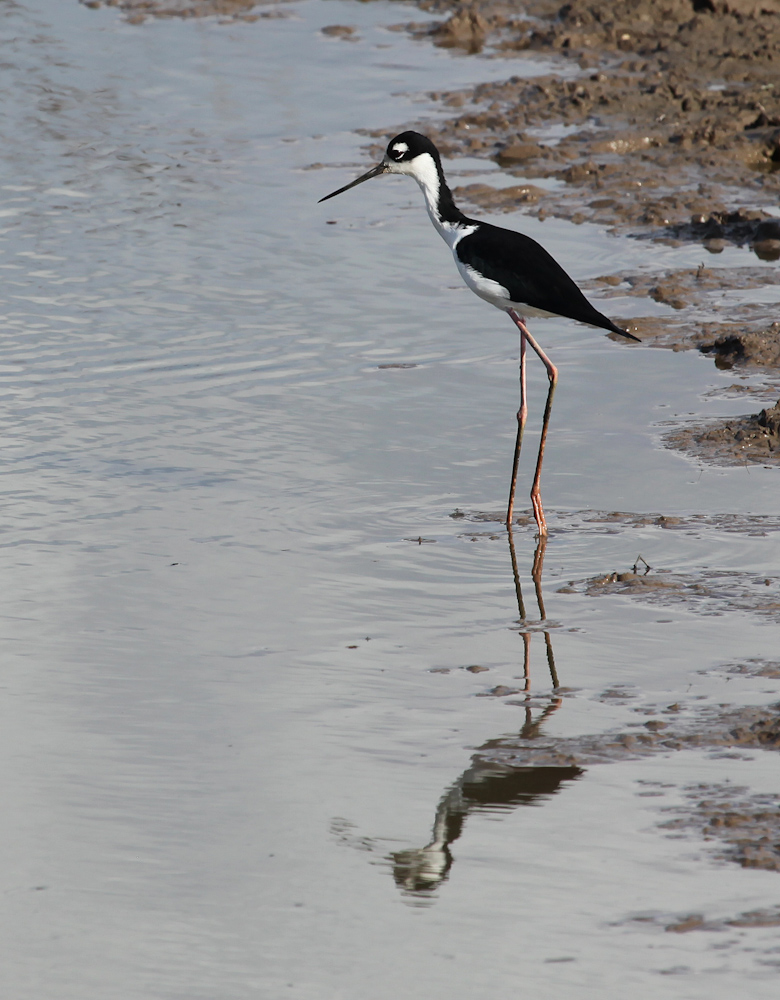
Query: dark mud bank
664,124
137,11
672,110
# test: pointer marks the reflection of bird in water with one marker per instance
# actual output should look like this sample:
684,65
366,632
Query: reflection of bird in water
488,785
507,269
485,787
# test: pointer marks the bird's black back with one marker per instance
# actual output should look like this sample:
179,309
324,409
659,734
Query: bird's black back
530,275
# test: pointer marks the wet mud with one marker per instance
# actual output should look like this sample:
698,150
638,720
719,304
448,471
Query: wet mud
750,440
742,828
668,116
613,522
137,11
746,339
705,592
734,825
663,124
665,728
727,932
745,334
752,667
677,726
684,923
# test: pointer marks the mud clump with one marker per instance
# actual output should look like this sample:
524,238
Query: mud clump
612,522
770,420
740,729
746,826
761,348
706,591
347,32
753,439
466,29
687,922
136,11
741,227
752,667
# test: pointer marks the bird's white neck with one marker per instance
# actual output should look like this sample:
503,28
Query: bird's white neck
447,219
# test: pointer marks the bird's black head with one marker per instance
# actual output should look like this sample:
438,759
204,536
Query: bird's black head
409,153
408,145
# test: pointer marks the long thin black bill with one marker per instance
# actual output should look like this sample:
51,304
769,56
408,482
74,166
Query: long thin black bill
373,172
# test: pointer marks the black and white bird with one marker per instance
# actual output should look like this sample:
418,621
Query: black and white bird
505,268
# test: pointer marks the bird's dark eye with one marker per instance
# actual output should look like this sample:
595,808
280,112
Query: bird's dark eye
398,149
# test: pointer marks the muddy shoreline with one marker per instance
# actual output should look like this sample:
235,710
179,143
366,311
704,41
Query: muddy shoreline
667,119
663,123
740,827
665,127
137,11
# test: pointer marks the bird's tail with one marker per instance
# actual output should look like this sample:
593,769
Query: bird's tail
622,332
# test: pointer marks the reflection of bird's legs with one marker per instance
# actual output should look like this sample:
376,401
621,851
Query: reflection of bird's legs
536,576
526,662
531,728
552,375
515,572
551,661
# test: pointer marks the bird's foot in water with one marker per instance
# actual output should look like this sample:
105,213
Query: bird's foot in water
541,524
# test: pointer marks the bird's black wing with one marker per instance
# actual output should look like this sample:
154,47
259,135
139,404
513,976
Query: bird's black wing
530,275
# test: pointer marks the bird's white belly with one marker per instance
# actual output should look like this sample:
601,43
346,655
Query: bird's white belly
494,292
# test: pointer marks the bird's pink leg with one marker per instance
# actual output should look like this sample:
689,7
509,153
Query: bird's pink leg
522,413
552,375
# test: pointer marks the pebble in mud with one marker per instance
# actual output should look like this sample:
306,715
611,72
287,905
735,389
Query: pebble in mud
347,32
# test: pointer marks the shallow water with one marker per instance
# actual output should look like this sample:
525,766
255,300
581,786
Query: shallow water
233,582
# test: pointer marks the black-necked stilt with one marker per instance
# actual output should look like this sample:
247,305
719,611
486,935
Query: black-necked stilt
507,269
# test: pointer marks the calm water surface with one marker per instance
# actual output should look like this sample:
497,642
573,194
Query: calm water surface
226,705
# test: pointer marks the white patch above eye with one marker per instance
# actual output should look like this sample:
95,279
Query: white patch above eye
400,148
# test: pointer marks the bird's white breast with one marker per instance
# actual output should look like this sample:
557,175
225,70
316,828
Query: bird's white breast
487,289
494,292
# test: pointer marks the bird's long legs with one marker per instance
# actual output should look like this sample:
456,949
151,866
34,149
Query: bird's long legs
552,375
522,413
